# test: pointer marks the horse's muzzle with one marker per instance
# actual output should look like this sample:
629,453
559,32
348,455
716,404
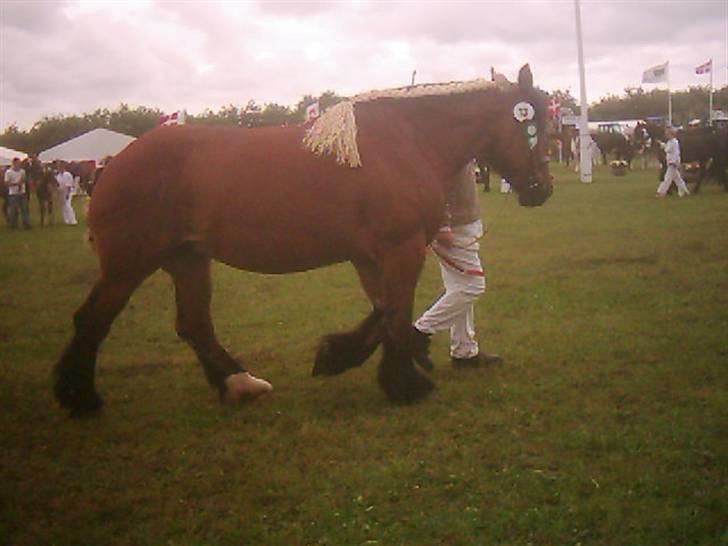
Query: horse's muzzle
536,193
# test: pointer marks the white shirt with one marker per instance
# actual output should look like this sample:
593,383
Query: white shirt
65,180
672,152
15,181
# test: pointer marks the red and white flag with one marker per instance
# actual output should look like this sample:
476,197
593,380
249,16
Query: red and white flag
704,68
312,111
175,118
554,107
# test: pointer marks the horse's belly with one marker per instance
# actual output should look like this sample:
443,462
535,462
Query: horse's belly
278,253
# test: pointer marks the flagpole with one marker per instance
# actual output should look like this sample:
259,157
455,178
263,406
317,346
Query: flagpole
669,97
710,100
585,160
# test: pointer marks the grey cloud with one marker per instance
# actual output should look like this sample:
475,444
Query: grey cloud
296,8
201,54
32,17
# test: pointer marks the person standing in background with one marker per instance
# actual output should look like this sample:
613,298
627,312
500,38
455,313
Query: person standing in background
16,181
64,193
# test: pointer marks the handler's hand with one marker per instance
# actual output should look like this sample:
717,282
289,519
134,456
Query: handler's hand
445,238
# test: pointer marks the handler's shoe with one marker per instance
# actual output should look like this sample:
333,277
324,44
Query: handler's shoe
243,385
421,349
481,359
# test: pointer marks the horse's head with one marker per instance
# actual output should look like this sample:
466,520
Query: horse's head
519,149
639,135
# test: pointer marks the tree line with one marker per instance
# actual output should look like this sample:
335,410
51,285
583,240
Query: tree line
53,130
635,103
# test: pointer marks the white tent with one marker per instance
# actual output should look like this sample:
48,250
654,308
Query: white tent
8,154
91,146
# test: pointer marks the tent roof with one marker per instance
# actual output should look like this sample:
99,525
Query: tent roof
91,146
7,155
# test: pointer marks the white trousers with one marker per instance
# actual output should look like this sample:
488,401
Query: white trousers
672,174
464,281
64,197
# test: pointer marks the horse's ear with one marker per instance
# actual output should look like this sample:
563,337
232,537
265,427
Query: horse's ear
525,78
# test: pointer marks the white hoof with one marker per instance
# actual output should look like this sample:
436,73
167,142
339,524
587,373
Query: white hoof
244,386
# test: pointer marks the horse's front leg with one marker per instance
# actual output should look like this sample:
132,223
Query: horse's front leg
341,351
41,209
344,350
401,265
701,176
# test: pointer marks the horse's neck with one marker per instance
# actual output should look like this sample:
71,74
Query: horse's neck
448,130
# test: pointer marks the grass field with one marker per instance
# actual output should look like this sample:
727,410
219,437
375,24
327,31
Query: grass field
607,425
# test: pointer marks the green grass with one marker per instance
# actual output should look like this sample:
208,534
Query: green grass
607,424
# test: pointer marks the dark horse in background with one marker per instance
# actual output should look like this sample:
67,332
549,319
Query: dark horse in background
563,139
706,146
42,181
370,183
616,143
84,170
45,191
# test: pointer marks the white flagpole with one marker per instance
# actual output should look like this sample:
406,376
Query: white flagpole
561,140
710,101
669,97
585,160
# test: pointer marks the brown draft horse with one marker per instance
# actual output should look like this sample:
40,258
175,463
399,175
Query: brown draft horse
367,186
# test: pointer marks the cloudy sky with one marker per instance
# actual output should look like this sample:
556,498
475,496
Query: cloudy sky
71,57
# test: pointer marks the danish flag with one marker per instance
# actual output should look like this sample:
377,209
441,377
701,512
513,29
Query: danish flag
554,107
175,118
313,111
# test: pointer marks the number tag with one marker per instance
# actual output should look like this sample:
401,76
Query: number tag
523,111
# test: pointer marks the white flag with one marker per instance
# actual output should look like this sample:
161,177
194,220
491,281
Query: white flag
656,74
312,111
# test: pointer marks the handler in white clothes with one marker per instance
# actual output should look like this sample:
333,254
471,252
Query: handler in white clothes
64,194
672,174
456,246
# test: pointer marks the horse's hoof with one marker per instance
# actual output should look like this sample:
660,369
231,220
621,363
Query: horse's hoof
86,412
404,384
79,403
244,386
340,352
323,364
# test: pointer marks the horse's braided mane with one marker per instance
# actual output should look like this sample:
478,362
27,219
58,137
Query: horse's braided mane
335,131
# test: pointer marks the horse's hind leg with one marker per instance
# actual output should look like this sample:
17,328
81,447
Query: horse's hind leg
401,265
190,272
75,372
342,351
41,209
